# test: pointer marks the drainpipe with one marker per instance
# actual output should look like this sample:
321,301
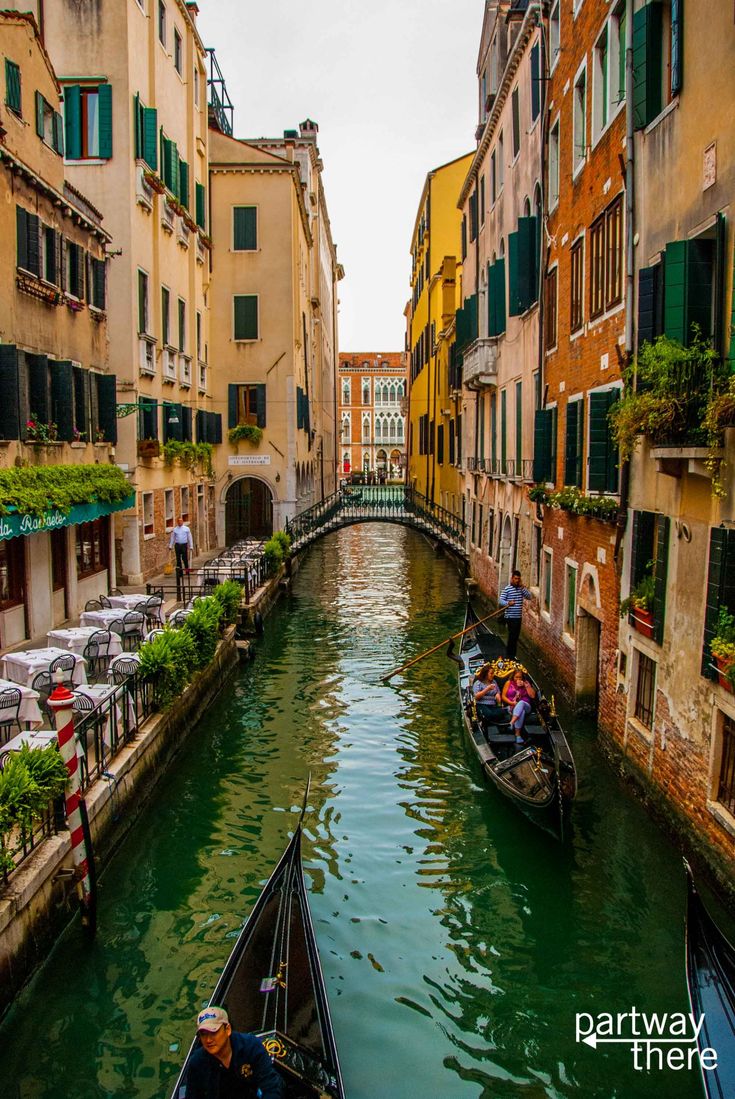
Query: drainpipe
629,270
543,248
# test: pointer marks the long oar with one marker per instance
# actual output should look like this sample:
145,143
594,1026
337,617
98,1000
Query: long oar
441,644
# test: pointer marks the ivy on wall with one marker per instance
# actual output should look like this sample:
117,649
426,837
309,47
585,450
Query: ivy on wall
34,490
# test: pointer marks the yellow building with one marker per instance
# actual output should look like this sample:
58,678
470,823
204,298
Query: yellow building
274,329
136,133
435,429
58,399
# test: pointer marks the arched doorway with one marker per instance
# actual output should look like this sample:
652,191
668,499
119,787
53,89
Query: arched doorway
588,628
248,510
505,556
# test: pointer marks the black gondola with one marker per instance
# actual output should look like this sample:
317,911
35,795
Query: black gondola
540,778
272,986
710,959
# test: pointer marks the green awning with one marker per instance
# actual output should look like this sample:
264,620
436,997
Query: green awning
15,525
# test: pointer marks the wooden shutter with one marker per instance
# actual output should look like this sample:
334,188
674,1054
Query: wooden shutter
186,424
104,106
245,229
699,290
232,416
246,317
473,215
201,218
660,571
40,102
184,183
503,429
39,389
519,428
720,590
150,137
260,404
201,431
471,307
440,444
33,244
514,261
541,445
58,133
106,410
62,398
81,399
175,181
535,81
73,121
98,291
299,408
675,290
499,296
649,279
22,237
175,430
148,418
572,455
677,46
10,405
138,126
12,86
217,427
603,464
647,37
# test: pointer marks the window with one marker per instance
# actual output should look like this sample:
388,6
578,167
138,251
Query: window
182,324
597,267
573,443
516,111
196,85
490,531
75,263
603,454
366,391
546,577
473,215
580,122
366,427
49,125
346,388
178,61
12,87
554,165
27,241
551,300
720,592
657,58
554,34
649,556
12,573
645,690
88,121
168,509
726,781
570,601
97,283
246,317
142,303
501,162
482,200
148,523
246,405
576,291
51,256
165,317
536,561
92,541
606,259
185,503
161,22
600,86
519,429
245,228
493,179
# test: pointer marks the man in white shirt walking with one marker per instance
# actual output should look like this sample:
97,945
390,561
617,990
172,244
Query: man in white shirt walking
181,542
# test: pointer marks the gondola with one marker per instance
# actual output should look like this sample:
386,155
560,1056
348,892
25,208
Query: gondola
710,962
540,778
272,986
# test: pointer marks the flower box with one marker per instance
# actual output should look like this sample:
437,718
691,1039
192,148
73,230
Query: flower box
149,448
724,664
643,621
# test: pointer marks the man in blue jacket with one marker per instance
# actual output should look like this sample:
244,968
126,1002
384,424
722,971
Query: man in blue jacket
229,1065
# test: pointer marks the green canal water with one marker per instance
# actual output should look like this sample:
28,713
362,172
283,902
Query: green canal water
457,941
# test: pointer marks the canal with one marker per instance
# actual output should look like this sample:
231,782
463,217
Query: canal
458,942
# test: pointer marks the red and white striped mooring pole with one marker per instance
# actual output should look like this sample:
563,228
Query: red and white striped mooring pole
60,700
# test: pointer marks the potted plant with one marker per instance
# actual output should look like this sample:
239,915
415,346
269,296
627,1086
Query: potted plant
722,647
148,448
40,433
249,432
639,605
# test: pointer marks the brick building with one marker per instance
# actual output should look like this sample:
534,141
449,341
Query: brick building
372,410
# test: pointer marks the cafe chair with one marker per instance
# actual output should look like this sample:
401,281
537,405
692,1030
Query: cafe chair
93,605
42,683
64,664
10,700
105,602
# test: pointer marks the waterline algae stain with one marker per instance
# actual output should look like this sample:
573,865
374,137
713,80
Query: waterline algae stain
459,943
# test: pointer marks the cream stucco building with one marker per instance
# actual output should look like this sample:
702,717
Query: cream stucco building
274,329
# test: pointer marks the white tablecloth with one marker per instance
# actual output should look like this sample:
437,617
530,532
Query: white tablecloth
101,620
77,638
99,693
35,738
29,708
23,667
127,602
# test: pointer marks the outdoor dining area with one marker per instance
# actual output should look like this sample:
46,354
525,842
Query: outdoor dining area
242,561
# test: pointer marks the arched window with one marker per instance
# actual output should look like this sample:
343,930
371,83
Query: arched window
400,431
527,207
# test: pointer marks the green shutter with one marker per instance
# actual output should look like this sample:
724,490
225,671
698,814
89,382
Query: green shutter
503,430
73,121
493,430
184,183
104,105
675,290
138,126
499,296
260,404
147,418
700,267
519,428
232,405
33,244
10,404
58,133
245,238
542,445
174,183
621,55
217,426
186,424
647,39
523,267
660,570
39,388
514,290
717,557
106,411
554,433
677,46
535,81
39,114
201,202
150,137
573,443
648,283
21,230
12,86
62,398
246,317
603,465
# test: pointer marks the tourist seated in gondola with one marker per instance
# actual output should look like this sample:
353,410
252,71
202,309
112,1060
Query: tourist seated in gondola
487,695
519,695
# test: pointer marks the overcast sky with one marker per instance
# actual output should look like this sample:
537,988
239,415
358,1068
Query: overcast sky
392,86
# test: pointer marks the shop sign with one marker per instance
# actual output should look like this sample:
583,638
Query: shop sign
249,460
15,525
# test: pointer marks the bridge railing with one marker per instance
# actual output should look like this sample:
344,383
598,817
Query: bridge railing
388,502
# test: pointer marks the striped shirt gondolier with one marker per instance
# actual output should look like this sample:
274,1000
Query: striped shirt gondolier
511,599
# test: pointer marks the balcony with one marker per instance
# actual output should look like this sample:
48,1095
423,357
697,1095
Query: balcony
480,365
147,353
183,232
169,364
168,217
185,370
201,252
143,189
221,109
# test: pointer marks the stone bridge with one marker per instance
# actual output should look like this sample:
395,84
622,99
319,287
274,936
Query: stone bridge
379,504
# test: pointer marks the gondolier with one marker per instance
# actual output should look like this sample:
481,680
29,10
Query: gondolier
511,599
181,541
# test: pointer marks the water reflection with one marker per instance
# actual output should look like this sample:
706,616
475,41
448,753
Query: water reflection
457,940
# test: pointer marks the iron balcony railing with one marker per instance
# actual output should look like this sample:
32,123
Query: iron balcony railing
508,468
220,104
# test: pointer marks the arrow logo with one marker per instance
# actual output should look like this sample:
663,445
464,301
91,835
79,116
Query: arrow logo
594,1041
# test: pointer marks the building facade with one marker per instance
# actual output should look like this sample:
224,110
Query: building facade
58,406
498,323
373,401
136,125
435,412
274,330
